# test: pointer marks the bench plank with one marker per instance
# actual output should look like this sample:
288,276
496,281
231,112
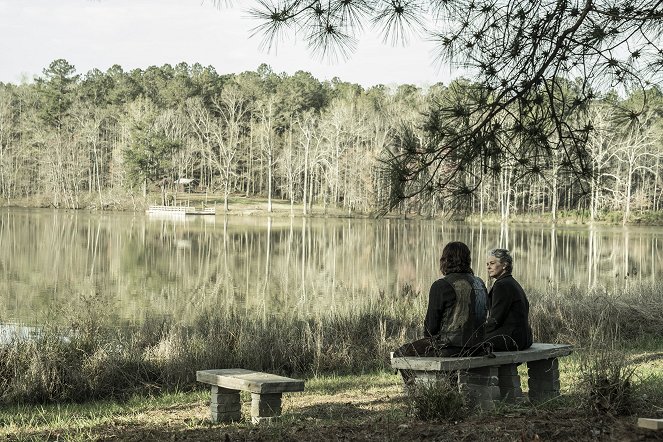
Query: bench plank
652,424
536,352
249,380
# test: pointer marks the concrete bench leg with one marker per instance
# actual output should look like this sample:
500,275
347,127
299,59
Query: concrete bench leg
415,378
265,407
480,386
225,405
509,382
543,379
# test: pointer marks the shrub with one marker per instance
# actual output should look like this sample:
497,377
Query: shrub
437,400
607,381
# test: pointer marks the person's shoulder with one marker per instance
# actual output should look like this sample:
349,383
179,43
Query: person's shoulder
470,278
505,277
479,279
504,280
441,282
508,282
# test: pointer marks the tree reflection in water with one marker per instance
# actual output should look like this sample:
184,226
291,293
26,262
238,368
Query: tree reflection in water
178,267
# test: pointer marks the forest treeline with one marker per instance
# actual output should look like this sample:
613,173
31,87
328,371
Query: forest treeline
99,139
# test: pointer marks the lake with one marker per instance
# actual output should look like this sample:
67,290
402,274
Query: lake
53,263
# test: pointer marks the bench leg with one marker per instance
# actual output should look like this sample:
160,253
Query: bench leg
265,407
225,405
480,385
543,379
509,382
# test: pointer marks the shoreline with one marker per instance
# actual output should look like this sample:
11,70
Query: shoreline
257,207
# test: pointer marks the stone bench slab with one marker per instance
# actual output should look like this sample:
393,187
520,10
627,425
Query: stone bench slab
249,380
537,351
652,424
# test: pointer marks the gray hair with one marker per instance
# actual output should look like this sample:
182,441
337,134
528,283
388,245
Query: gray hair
505,258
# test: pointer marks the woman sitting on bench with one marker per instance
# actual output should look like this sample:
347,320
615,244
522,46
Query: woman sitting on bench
507,327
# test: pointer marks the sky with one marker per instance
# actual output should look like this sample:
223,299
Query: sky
141,33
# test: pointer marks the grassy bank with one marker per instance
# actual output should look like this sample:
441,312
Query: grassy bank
575,217
96,360
254,206
237,205
88,355
354,407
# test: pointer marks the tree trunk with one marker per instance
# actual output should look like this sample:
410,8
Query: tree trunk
553,198
270,166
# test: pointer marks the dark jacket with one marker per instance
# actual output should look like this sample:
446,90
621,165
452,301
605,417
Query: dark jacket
457,305
507,326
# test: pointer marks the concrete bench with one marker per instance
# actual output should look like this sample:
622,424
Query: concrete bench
488,380
266,390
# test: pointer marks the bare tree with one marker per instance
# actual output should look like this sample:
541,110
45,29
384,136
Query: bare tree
7,138
521,56
601,153
267,142
633,150
309,141
220,137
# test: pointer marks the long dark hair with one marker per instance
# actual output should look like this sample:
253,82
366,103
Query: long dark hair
456,258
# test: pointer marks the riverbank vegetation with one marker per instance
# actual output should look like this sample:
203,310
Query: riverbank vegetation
89,353
104,140
86,376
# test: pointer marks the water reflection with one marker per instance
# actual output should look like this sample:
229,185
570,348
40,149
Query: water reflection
177,267
11,332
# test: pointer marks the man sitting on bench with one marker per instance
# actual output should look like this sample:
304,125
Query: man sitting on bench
457,305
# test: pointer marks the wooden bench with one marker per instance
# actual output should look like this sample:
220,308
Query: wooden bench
266,390
488,380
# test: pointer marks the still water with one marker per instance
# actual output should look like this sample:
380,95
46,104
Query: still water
53,261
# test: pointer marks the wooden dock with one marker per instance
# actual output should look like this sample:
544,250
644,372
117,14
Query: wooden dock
181,210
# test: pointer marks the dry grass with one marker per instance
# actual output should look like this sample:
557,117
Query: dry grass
439,400
90,356
581,318
370,407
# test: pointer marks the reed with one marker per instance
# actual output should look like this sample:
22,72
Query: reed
629,315
63,364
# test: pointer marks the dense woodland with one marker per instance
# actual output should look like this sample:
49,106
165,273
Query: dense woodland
102,139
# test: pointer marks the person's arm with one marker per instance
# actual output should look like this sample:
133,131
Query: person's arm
439,297
433,313
501,303
481,300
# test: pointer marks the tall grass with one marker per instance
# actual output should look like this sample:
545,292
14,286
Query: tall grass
64,365
607,379
580,317
605,327
91,355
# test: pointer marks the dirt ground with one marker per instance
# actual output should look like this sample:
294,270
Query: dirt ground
348,409
558,426
513,428
371,416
